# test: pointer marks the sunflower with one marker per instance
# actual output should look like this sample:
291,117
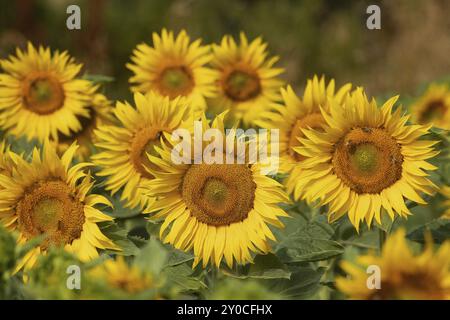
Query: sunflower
40,96
446,192
125,146
297,114
218,210
404,275
366,159
433,107
248,82
119,275
49,197
100,113
173,67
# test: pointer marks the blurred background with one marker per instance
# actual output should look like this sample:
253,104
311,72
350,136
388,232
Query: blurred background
311,36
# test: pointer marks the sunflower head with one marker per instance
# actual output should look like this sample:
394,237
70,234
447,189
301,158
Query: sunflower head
247,82
433,107
220,210
296,114
119,275
39,89
366,159
404,275
125,146
173,67
49,198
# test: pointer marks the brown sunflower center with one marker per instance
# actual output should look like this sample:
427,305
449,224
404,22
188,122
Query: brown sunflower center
434,110
242,85
176,81
368,160
50,208
219,194
144,143
43,94
312,120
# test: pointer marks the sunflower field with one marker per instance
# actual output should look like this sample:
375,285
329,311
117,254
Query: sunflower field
94,206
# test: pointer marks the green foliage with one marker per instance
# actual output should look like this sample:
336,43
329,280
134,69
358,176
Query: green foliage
303,284
7,251
439,229
307,241
121,237
48,280
226,289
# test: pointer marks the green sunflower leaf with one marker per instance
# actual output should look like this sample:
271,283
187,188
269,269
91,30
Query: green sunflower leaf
304,283
266,266
152,257
120,237
306,241
306,249
176,257
439,228
181,276
119,210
